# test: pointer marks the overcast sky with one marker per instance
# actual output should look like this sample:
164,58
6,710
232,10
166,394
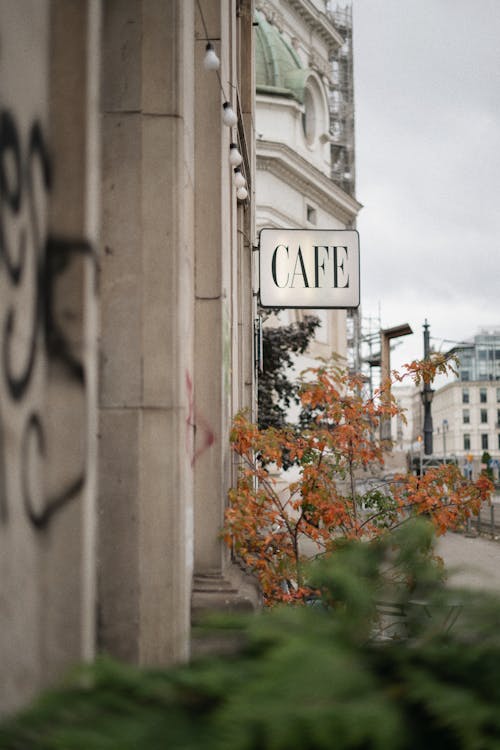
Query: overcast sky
427,91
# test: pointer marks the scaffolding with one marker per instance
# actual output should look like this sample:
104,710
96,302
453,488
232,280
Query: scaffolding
341,102
353,330
341,111
371,350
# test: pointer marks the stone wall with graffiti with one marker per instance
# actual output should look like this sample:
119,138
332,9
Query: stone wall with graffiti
47,296
114,479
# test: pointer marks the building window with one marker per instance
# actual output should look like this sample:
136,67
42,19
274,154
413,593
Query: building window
498,395
484,442
483,395
309,117
311,215
467,442
499,441
484,416
498,417
466,416
465,395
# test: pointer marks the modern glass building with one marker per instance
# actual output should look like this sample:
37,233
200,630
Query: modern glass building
480,359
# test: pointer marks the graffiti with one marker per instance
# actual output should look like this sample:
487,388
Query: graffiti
3,478
40,517
202,436
32,264
16,186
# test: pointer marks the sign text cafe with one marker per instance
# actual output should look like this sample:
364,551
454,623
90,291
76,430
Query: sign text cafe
309,268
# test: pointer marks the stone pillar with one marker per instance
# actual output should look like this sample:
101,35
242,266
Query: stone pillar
145,540
223,365
48,140
213,238
71,398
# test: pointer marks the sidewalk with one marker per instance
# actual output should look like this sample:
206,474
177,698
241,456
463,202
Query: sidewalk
474,563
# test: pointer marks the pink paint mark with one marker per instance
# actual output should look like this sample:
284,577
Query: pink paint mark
202,432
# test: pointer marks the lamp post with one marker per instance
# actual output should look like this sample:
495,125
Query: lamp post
427,395
445,430
420,443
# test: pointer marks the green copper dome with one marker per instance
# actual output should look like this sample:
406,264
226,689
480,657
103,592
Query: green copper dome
278,70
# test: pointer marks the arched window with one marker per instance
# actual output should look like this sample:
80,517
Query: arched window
309,116
315,114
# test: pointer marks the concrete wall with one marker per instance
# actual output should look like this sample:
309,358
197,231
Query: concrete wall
48,327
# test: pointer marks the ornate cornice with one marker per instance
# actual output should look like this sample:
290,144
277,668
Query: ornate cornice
313,18
320,65
272,15
318,22
280,160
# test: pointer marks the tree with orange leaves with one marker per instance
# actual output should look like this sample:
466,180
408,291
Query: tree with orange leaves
276,522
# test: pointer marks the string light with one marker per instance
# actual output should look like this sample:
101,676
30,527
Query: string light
235,158
228,116
238,178
211,61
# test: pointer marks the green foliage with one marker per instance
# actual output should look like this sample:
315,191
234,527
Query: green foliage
485,459
383,507
376,664
109,706
276,391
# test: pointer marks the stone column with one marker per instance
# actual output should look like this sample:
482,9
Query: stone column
213,236
223,334
145,541
49,136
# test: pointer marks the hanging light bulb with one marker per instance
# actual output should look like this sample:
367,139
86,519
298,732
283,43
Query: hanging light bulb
242,193
235,158
211,61
238,178
228,116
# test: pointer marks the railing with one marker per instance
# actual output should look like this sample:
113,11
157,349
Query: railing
487,522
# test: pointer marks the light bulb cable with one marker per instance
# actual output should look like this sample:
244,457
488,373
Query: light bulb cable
226,100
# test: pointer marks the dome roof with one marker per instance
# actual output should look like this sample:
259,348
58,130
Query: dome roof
278,70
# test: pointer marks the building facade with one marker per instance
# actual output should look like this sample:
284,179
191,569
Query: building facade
479,359
465,411
467,419
126,313
303,128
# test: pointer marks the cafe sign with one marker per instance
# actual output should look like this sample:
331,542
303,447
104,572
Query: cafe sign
316,268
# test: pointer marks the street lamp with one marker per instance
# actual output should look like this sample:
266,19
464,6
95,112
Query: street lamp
445,430
427,395
419,441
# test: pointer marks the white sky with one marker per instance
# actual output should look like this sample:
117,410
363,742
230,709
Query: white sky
427,91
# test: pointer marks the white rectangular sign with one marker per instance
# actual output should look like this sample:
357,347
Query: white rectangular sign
309,268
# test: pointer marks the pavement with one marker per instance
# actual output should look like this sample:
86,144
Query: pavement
471,562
